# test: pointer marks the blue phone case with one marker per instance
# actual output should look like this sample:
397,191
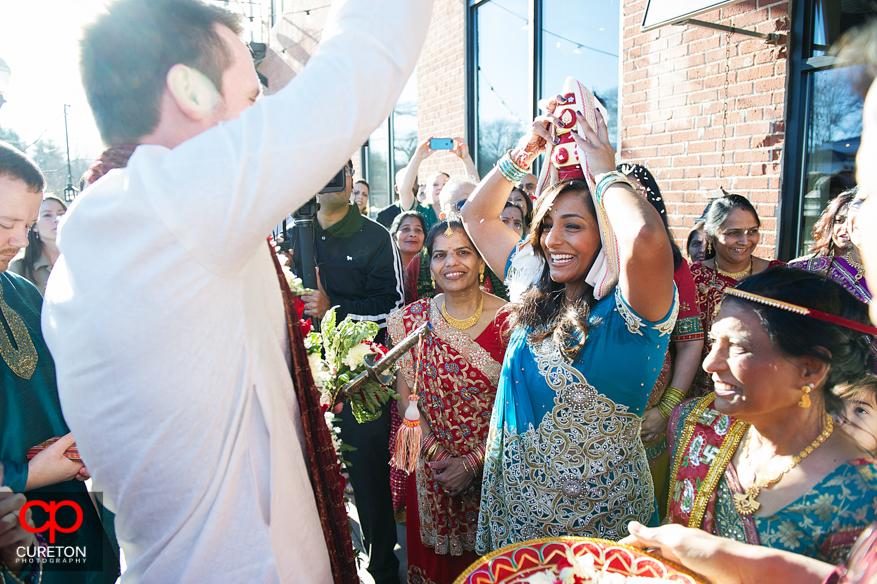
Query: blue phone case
441,144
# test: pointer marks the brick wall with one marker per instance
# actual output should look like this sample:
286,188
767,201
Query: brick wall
441,84
673,92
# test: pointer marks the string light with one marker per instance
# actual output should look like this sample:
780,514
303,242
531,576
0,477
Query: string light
545,30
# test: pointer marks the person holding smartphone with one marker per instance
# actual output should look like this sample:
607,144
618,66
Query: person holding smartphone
430,208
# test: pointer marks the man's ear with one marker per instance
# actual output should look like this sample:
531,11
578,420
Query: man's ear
193,92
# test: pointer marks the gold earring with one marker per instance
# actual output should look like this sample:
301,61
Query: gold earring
709,247
805,399
481,276
432,279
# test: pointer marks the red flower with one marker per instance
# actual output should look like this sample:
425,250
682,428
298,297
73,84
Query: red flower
305,327
378,348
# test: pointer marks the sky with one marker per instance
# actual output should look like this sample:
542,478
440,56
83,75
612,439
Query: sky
39,42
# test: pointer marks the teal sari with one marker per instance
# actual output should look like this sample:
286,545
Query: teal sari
564,454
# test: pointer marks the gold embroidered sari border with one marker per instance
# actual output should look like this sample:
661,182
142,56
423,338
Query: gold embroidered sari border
718,466
717,469
687,432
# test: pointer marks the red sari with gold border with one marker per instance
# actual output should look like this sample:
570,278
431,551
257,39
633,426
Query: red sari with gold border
456,382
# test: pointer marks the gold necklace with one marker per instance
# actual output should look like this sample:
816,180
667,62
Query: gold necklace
23,360
734,275
860,269
745,503
465,323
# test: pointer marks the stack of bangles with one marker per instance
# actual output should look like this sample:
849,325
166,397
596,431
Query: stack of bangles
474,461
510,170
672,397
428,447
609,179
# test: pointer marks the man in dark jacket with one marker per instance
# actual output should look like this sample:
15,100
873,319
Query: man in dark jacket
359,272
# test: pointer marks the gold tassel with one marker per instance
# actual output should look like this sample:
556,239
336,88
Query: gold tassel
408,438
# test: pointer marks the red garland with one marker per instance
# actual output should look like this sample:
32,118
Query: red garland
325,470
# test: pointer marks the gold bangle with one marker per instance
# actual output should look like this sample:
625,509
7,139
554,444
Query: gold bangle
665,410
673,396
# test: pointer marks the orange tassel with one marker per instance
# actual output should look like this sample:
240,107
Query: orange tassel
408,438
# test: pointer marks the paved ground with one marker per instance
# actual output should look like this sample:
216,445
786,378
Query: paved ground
401,552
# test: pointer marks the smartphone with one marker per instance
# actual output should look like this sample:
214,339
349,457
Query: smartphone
441,144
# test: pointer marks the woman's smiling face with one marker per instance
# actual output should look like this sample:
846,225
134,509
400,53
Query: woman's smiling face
570,238
753,380
737,237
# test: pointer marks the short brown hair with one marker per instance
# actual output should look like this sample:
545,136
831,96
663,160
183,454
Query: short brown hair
14,163
128,51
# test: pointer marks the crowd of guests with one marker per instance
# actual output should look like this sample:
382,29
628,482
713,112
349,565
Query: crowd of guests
583,375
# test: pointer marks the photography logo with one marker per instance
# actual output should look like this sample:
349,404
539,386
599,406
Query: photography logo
72,534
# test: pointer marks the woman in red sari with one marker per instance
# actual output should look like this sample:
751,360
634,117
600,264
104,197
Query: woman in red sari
732,229
454,371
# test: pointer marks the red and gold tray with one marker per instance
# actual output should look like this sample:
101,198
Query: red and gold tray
515,563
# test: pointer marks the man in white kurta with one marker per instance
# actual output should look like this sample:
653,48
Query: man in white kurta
166,323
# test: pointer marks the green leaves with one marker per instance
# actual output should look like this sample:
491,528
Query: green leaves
343,350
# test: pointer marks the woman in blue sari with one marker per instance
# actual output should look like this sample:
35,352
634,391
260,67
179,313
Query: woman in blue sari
564,455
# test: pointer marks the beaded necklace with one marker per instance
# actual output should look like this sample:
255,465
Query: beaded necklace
860,269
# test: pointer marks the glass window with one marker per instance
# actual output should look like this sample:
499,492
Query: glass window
833,132
831,18
503,105
404,129
378,161
580,40
833,126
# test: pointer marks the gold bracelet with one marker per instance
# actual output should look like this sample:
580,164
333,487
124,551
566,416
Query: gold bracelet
467,467
430,454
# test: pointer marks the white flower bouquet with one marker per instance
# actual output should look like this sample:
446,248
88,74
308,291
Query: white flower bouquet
337,354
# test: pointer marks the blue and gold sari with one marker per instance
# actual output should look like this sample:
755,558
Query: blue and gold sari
564,455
